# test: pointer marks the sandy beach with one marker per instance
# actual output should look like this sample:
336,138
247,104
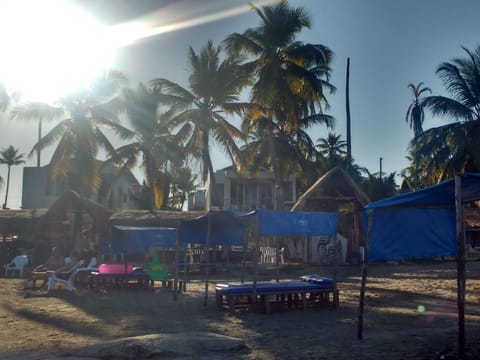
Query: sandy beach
410,313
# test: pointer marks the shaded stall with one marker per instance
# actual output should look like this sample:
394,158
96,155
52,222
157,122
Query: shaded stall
424,224
280,223
212,229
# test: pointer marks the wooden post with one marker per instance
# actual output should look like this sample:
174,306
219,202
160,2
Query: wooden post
364,275
244,253
255,264
460,266
207,245
177,259
277,266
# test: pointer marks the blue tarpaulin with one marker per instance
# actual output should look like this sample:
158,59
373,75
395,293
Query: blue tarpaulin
225,229
228,228
420,224
290,223
137,239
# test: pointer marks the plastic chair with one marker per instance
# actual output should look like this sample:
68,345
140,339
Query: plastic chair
17,264
66,278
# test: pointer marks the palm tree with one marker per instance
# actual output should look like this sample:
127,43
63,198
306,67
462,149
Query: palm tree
332,147
290,75
379,187
153,142
200,112
78,134
454,147
10,156
415,114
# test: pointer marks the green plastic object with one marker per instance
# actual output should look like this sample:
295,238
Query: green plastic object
157,270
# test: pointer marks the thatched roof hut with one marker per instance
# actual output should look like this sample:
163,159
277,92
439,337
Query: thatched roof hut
18,221
333,188
152,218
336,191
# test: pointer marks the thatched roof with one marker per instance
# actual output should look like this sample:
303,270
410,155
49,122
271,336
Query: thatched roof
71,200
14,221
472,218
152,218
334,187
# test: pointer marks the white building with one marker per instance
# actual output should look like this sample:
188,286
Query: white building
244,192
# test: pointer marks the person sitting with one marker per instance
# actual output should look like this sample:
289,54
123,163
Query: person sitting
53,262
43,271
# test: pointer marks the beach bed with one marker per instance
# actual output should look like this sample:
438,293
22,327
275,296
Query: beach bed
274,296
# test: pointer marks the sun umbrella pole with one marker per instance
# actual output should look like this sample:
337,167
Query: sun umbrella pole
460,267
364,276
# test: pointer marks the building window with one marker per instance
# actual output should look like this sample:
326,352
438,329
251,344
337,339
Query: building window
265,196
236,195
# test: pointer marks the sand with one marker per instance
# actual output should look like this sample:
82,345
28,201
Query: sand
410,313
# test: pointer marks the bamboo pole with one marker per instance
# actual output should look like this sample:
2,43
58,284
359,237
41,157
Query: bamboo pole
460,266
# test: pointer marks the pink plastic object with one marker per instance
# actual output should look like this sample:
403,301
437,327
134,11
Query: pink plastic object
114,269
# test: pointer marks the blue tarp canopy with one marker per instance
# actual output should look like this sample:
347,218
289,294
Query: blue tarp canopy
137,239
225,229
228,228
290,223
420,224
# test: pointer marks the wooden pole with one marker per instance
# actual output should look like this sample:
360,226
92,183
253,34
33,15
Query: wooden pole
177,259
347,105
207,246
460,266
364,276
255,264
277,266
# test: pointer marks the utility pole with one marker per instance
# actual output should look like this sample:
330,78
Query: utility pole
347,104
381,168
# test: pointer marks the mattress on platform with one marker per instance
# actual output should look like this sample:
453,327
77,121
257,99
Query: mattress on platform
275,287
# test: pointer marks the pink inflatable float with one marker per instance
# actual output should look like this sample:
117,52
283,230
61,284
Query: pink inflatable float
114,269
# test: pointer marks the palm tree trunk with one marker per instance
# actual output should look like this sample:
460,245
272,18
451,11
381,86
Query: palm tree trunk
277,190
8,185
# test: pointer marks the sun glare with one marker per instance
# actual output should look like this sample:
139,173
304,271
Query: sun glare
50,48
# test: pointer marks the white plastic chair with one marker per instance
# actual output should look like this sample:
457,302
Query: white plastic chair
17,264
66,278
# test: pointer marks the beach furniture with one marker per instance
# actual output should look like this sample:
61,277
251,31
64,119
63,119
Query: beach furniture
312,292
17,265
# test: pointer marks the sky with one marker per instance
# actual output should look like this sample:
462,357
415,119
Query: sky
390,44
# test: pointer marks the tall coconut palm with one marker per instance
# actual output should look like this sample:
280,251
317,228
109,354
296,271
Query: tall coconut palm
415,114
201,111
454,147
290,75
332,146
10,156
153,143
81,117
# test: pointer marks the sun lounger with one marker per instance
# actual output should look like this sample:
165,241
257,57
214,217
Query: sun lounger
66,278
